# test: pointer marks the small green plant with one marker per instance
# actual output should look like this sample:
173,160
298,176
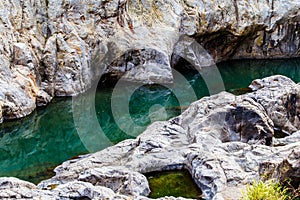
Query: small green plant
269,190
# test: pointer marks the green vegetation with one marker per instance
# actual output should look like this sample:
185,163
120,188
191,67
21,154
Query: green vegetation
173,183
271,190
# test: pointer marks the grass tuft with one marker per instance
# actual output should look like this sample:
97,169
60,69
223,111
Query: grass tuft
269,190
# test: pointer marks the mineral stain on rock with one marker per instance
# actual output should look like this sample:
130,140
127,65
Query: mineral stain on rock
176,183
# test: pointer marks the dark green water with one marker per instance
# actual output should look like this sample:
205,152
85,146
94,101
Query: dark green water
31,147
177,183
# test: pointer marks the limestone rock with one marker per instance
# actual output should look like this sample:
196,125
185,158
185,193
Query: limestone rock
244,29
43,98
118,179
78,189
62,47
13,188
228,118
280,97
295,137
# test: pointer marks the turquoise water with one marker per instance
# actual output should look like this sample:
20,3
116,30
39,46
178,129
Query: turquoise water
31,147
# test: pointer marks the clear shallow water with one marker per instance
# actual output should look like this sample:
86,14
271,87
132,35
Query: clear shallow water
31,147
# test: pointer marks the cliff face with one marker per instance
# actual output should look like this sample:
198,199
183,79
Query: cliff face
59,47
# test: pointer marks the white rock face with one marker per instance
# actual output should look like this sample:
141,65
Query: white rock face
59,48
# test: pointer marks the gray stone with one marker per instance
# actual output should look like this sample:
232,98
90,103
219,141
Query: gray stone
43,98
295,137
228,118
66,45
1,116
280,97
78,189
13,188
119,179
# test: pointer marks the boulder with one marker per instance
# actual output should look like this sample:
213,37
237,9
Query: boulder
280,97
227,118
13,188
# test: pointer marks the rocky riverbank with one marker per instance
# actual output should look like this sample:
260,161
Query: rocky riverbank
58,48
224,141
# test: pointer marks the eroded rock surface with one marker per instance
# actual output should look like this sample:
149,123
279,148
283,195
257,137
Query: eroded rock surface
59,48
283,106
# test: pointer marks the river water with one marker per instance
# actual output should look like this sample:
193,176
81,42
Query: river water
31,147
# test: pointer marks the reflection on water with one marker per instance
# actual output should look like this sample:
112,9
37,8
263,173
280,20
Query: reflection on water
32,146
239,74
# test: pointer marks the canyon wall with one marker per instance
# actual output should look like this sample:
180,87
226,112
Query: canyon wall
60,47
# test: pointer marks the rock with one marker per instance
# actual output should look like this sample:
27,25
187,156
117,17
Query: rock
79,190
224,28
13,188
43,98
282,167
295,137
1,116
228,118
280,97
11,182
62,48
120,180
